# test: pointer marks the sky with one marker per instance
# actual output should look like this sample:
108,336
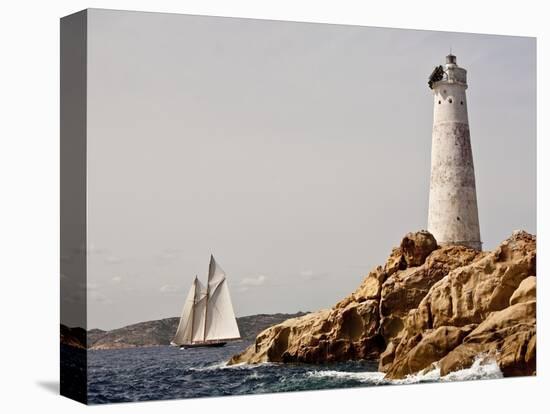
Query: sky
298,154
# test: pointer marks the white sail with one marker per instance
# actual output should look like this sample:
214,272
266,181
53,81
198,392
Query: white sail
183,334
208,312
199,314
191,326
220,317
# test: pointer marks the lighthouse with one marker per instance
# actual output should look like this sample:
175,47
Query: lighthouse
452,217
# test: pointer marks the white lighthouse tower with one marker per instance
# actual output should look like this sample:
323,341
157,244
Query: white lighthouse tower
452,217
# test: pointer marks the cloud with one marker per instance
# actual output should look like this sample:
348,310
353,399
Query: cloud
253,281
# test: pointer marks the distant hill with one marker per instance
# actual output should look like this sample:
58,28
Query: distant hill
75,337
159,332
94,335
150,333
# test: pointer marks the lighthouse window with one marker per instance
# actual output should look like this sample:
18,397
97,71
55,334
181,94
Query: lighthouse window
450,100
461,103
458,218
439,102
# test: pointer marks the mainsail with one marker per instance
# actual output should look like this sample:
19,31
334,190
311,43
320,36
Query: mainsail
220,317
207,314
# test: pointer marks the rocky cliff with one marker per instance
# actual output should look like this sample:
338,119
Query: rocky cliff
428,306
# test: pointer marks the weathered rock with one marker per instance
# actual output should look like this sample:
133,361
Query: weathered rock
395,262
405,289
338,334
430,347
427,307
417,246
371,286
507,336
526,291
387,357
350,330
531,354
468,294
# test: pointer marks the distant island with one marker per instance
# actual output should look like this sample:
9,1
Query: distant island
158,332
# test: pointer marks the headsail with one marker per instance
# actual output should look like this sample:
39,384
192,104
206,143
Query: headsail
184,332
220,317
191,326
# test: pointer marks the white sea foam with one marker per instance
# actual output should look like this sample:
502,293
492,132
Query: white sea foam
374,378
225,365
480,369
213,367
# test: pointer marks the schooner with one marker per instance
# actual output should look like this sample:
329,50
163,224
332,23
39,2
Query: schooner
207,318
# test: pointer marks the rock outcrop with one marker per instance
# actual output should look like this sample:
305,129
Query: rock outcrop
428,306
467,296
340,334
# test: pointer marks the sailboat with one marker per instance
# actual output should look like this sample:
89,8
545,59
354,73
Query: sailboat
207,318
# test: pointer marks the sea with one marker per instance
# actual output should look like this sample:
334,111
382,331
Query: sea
164,372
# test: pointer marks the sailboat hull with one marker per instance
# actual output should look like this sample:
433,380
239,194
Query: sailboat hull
204,345
213,343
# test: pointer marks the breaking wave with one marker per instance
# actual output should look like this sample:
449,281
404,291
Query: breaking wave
225,365
480,369
374,378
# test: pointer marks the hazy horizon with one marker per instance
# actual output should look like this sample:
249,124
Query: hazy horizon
297,153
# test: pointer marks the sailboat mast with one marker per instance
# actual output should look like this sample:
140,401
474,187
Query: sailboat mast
207,295
193,313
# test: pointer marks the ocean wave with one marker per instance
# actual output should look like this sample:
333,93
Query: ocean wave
482,368
375,378
224,365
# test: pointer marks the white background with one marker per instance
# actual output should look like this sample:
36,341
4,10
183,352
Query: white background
29,206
